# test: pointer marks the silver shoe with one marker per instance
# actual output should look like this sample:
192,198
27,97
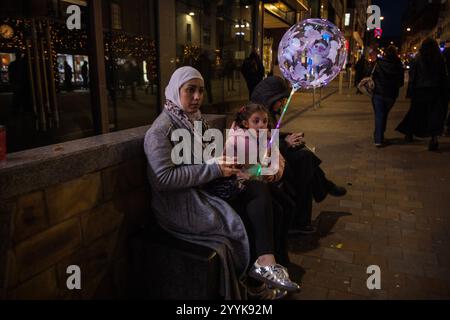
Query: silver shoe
266,293
275,276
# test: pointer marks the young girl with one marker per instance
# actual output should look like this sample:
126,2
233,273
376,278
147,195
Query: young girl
245,137
244,142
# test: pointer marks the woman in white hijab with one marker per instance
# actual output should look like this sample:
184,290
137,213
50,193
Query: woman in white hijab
188,212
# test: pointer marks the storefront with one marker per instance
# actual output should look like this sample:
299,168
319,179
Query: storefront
215,37
51,87
279,16
110,75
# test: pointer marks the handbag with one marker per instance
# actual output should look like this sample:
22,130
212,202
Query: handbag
225,187
367,85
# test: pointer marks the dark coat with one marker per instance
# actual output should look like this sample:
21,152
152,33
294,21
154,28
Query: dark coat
253,72
190,213
388,76
427,88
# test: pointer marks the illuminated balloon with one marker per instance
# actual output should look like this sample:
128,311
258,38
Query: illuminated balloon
312,53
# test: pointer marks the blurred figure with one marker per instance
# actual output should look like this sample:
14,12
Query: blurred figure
68,73
427,89
360,71
129,77
85,75
388,76
229,68
253,71
150,77
203,64
20,84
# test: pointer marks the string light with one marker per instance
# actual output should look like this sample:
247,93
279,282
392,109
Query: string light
191,52
68,41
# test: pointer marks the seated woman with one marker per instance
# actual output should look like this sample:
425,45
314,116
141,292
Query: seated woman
186,210
306,178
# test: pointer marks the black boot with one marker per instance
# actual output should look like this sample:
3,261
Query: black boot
434,144
336,191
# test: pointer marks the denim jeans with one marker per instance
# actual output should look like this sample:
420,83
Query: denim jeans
381,108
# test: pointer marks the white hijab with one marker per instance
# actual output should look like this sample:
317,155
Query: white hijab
178,79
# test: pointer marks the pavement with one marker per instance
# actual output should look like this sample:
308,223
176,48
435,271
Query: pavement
396,214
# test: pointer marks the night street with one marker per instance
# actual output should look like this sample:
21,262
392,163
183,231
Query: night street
396,214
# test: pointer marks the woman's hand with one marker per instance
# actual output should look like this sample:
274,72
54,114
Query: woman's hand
229,167
229,170
294,139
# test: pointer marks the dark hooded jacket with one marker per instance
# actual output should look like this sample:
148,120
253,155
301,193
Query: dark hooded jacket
266,93
389,77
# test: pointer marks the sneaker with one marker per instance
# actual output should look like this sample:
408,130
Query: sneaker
265,293
337,191
379,145
447,132
275,276
433,146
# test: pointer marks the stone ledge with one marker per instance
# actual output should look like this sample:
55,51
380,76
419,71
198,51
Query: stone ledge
39,168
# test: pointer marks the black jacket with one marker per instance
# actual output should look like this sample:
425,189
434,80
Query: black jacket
388,76
424,75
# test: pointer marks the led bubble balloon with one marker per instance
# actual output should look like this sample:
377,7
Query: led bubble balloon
312,53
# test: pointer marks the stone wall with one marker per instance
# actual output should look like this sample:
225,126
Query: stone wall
78,203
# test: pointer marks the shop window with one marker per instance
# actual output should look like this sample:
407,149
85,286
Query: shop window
216,43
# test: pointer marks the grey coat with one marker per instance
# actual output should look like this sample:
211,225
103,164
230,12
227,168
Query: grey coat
188,212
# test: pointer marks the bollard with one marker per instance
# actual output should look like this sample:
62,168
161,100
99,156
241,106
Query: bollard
341,81
350,79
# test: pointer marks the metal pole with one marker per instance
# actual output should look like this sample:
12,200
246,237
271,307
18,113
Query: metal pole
314,97
31,79
51,72
40,99
99,95
320,96
350,81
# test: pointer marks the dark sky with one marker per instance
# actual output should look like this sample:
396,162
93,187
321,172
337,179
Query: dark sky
392,11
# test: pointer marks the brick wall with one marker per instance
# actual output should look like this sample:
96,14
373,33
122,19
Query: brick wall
78,203
86,222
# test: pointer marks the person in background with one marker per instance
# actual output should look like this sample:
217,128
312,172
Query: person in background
203,65
253,71
427,89
68,73
388,76
85,75
360,71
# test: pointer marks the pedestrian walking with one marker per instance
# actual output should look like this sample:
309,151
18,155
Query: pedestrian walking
388,76
427,90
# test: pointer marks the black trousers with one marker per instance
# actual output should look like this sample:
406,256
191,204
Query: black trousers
254,206
307,181
283,213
